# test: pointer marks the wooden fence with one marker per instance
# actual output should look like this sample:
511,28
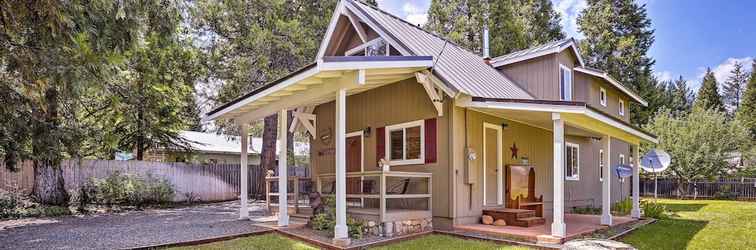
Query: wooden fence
723,188
218,182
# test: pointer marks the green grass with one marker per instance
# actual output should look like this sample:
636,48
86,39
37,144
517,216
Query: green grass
266,241
700,224
436,241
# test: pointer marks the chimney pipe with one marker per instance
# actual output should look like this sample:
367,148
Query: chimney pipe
486,54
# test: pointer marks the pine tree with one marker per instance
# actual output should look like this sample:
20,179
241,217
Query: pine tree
746,114
513,24
733,87
682,97
618,35
708,95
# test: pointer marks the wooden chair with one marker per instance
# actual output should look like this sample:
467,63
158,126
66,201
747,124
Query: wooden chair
529,202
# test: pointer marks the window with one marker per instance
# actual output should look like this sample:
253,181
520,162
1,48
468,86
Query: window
406,143
572,162
565,83
621,107
375,47
601,165
602,97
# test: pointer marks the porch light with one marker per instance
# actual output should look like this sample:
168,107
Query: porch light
366,132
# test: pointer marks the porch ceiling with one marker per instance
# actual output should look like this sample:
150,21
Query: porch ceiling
581,119
317,83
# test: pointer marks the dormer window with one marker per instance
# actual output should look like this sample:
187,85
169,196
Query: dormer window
621,108
602,97
375,47
565,83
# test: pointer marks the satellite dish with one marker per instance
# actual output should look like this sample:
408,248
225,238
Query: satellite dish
624,170
655,161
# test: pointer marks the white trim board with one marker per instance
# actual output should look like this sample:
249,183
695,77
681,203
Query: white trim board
615,83
499,164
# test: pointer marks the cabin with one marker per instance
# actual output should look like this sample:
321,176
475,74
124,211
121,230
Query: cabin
411,132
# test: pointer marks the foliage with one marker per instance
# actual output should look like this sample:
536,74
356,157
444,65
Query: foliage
746,116
654,210
355,227
699,224
326,221
699,143
623,207
130,190
513,24
618,35
725,192
590,209
682,97
734,85
708,95
13,206
8,205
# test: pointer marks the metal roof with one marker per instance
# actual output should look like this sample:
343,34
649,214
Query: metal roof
463,70
228,144
536,51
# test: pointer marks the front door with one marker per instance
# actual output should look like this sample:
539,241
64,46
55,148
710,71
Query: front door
354,163
492,165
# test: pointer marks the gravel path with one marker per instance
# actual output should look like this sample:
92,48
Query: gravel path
128,230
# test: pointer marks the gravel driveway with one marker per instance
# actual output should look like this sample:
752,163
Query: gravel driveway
128,230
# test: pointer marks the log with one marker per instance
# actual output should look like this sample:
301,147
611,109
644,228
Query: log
487,219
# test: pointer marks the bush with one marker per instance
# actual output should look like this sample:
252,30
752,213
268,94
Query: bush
120,189
326,221
46,211
654,210
8,206
623,207
586,210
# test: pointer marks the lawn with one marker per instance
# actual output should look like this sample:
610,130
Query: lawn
436,241
266,242
700,224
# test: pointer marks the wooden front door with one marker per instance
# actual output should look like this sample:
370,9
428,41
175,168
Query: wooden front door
492,162
354,163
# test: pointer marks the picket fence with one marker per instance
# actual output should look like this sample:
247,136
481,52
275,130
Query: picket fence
201,182
740,188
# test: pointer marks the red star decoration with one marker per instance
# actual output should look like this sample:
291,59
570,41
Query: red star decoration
514,150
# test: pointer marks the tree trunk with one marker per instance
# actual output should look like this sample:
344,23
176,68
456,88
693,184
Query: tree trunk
268,151
49,185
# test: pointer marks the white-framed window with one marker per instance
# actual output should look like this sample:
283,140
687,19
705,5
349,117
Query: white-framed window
375,47
565,83
602,97
621,107
601,165
405,143
572,162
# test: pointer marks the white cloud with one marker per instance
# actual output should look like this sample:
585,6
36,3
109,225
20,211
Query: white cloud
414,14
722,71
570,10
664,75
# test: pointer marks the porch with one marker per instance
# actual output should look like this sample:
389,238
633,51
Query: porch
576,225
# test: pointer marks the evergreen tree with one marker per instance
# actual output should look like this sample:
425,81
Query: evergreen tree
746,114
682,97
618,35
733,87
708,95
513,24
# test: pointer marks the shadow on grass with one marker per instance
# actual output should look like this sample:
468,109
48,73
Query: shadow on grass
666,234
684,207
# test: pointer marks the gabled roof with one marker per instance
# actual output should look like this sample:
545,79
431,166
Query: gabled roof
462,70
227,144
537,51
603,75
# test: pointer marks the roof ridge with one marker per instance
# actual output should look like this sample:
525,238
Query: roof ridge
416,26
560,41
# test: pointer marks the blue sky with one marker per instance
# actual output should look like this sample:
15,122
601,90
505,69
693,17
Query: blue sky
690,35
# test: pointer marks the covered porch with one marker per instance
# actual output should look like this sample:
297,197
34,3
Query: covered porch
554,131
367,195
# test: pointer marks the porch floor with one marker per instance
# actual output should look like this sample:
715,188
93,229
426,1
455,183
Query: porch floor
577,225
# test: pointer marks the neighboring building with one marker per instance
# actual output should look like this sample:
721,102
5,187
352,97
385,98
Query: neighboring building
212,148
462,134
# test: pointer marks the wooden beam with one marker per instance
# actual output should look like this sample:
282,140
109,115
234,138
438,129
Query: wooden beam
434,96
356,24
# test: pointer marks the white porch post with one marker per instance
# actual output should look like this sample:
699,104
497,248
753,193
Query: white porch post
244,136
606,186
558,228
635,213
340,230
283,176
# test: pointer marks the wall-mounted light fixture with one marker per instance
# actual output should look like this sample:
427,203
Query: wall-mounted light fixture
366,132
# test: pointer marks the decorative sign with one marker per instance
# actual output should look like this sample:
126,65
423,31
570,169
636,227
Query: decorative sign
624,171
514,150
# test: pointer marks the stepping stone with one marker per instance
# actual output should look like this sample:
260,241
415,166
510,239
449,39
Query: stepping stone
596,244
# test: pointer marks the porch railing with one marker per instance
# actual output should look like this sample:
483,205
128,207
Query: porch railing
297,193
404,193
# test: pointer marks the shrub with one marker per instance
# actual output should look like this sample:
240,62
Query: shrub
46,211
8,206
356,227
586,210
120,189
326,221
623,207
654,210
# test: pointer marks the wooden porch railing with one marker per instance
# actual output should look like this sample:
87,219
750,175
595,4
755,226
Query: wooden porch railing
295,194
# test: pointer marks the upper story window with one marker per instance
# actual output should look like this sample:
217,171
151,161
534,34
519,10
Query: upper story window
572,162
406,143
621,107
602,97
565,83
375,47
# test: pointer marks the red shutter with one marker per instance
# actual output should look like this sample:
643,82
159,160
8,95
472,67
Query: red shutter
380,144
430,140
